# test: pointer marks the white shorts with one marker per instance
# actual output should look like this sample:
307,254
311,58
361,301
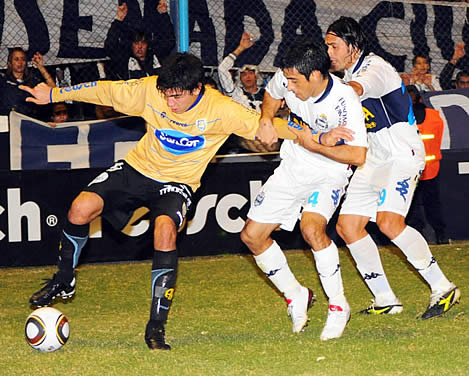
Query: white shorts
283,197
387,186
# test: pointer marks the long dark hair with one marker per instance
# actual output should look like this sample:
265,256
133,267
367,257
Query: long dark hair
350,31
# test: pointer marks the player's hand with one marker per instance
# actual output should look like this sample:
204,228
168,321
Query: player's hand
336,135
266,132
40,93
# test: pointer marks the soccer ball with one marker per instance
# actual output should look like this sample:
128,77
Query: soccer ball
46,329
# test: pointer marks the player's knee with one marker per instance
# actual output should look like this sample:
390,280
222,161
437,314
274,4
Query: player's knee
391,226
247,237
86,207
344,230
313,234
165,233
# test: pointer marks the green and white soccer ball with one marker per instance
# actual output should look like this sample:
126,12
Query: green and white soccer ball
47,329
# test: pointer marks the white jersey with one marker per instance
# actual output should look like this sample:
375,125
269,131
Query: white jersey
337,105
390,121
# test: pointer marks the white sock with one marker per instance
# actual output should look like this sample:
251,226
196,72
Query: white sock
328,267
415,247
366,255
275,266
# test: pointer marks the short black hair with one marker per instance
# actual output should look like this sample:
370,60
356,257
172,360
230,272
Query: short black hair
181,71
350,31
461,74
307,56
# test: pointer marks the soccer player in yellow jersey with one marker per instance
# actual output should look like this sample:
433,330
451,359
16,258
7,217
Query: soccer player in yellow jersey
187,123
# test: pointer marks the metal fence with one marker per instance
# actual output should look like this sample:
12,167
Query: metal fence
74,31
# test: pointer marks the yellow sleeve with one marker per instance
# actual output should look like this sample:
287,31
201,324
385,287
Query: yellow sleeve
244,121
125,96
281,126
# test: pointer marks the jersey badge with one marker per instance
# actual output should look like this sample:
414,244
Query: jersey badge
321,122
201,124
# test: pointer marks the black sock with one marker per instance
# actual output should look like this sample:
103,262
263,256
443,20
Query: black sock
72,241
163,279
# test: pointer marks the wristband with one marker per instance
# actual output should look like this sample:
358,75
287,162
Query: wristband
50,95
319,139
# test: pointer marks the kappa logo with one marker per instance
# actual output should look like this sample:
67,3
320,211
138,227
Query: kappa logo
403,188
372,275
271,273
335,196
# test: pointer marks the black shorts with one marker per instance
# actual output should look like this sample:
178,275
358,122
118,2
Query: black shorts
124,190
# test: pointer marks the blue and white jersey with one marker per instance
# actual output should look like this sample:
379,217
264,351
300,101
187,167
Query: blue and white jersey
338,104
389,118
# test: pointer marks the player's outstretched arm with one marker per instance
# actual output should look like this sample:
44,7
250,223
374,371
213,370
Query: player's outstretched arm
41,93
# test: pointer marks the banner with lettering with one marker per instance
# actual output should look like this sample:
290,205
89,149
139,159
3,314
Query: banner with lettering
36,145
75,30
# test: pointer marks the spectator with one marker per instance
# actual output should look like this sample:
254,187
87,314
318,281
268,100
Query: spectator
420,76
457,62
248,90
17,74
427,193
133,54
462,80
59,114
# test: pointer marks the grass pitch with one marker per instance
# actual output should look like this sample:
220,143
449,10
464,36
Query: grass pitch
227,319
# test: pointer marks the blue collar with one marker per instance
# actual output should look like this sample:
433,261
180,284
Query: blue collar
359,63
199,97
326,92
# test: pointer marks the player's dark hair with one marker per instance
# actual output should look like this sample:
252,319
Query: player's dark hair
307,56
350,31
180,71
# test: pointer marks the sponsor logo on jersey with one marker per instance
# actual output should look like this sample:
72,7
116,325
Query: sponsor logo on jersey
178,143
369,118
78,87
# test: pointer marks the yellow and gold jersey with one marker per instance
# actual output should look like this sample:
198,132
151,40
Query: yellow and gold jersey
176,147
